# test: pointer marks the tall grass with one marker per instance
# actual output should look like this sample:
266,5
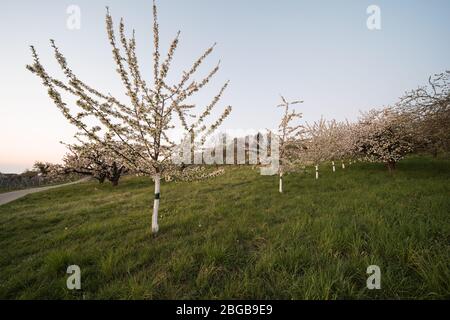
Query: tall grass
235,236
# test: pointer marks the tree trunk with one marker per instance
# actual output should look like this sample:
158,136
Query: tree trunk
435,153
101,179
115,175
281,182
391,166
155,226
317,172
334,167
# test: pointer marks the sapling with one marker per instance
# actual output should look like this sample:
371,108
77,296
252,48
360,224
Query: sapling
317,142
144,125
289,139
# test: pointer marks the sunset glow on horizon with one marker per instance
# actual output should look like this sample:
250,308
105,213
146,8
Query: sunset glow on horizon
319,51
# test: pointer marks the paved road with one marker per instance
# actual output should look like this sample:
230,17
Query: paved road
14,195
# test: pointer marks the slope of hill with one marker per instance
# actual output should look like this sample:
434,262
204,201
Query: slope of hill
235,236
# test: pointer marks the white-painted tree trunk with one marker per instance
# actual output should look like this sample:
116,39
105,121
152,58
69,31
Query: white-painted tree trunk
343,165
317,172
334,167
281,182
155,226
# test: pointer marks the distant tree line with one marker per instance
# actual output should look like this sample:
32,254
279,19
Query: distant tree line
42,174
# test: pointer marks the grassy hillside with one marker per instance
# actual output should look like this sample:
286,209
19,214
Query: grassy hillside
235,236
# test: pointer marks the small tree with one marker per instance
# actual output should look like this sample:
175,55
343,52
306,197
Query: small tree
43,168
95,160
289,139
50,172
429,108
384,136
338,145
318,143
143,125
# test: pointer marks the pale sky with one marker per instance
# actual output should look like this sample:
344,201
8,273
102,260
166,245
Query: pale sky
319,51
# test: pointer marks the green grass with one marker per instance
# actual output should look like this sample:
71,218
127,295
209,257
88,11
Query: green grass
235,236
